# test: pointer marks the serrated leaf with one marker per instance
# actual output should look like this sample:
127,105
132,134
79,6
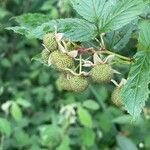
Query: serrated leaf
76,29
91,10
121,14
5,127
118,39
31,20
19,30
144,36
85,117
109,15
136,91
16,111
125,143
73,29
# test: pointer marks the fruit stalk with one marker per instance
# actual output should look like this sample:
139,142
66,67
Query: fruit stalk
80,69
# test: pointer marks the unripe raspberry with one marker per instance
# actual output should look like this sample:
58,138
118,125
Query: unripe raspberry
116,97
50,42
64,83
78,83
101,73
45,56
61,60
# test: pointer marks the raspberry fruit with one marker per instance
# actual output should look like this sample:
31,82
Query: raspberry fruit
75,84
116,97
64,83
45,56
50,42
78,83
101,73
61,60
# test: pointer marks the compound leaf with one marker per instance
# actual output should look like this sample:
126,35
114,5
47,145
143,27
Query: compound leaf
136,91
109,15
117,40
122,13
144,36
91,10
73,29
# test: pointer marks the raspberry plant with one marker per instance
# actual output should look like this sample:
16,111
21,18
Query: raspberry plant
86,50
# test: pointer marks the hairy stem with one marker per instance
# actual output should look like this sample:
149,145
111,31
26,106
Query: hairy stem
117,55
102,40
80,69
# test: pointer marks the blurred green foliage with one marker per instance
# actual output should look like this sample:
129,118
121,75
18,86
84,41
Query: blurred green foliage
36,114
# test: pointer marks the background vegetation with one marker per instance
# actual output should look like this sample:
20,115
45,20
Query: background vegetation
36,114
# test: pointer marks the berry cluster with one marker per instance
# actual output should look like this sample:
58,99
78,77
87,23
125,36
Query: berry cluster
78,66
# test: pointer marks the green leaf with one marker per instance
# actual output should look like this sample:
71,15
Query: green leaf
23,102
136,91
73,29
144,36
64,144
85,117
125,119
91,10
5,127
20,30
122,13
91,104
32,20
50,135
118,39
21,138
109,14
105,122
125,143
16,111
87,137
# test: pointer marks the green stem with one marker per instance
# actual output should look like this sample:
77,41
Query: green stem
117,55
80,69
102,40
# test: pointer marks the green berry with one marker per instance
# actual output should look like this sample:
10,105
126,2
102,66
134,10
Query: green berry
64,83
101,73
61,60
45,56
50,42
116,97
78,83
